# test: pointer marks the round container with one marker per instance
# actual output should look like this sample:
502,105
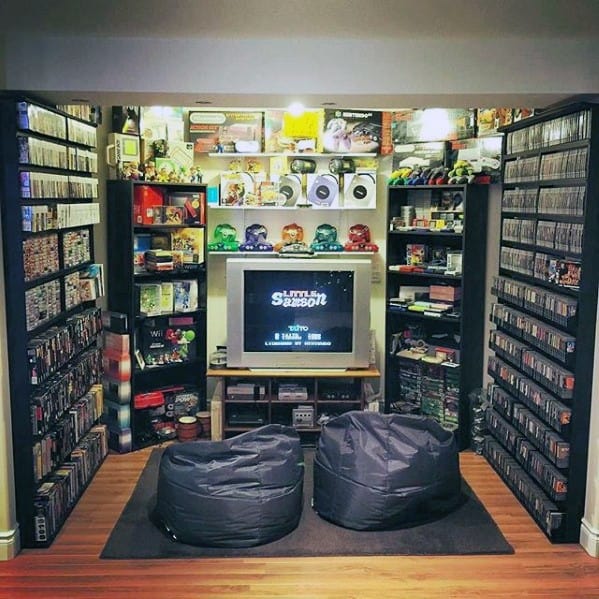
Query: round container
204,430
187,428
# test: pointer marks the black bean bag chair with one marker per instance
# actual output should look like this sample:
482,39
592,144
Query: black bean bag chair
381,471
240,492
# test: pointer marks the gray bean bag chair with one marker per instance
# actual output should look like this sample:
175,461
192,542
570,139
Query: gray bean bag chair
240,492
380,471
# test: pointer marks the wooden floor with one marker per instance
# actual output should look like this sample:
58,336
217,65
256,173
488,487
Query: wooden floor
71,567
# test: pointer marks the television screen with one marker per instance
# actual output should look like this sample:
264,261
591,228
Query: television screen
298,311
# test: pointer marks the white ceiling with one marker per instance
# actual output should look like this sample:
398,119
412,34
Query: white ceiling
240,19
306,25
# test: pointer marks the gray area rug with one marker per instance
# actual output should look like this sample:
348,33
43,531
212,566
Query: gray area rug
469,530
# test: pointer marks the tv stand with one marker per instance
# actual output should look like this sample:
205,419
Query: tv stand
303,398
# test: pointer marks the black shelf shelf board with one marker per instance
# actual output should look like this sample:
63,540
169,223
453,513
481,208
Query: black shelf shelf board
164,367
158,226
571,145
196,186
142,317
541,249
58,318
167,275
57,274
411,315
567,182
445,187
504,272
427,233
229,400
563,218
27,234
54,170
31,99
425,275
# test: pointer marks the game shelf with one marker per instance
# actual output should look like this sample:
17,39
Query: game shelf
49,207
545,316
304,399
435,301
157,303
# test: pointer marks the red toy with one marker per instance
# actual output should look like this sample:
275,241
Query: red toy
359,240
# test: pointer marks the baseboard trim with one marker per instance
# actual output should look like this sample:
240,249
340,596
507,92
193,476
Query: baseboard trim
589,538
10,544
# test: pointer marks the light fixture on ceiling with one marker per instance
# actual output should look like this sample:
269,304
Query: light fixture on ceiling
329,104
80,100
296,109
204,102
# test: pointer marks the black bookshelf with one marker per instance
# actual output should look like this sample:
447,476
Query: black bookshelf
414,385
541,390
40,314
124,279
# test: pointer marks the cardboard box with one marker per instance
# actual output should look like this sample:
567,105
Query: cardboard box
352,131
430,154
212,131
433,124
145,198
445,293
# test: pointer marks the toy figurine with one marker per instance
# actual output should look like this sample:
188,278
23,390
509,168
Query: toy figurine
325,239
225,239
149,171
292,241
359,240
255,239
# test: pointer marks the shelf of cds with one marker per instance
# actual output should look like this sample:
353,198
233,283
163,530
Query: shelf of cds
544,316
435,301
50,191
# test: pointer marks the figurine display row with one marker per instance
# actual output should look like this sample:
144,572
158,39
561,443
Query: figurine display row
224,239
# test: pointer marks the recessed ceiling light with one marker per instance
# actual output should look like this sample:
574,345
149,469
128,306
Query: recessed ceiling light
329,104
203,102
296,109
80,100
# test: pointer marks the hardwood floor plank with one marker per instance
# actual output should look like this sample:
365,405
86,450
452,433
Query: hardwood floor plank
71,567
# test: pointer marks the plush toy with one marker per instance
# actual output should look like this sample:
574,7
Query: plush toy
400,176
438,176
462,172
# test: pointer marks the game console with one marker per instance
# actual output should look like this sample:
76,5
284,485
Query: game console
323,191
360,190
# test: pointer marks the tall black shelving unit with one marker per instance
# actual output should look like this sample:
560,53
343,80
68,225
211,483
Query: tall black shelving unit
545,315
48,162
123,296
408,386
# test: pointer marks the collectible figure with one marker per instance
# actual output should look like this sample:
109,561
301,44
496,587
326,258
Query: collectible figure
359,240
325,239
225,239
255,239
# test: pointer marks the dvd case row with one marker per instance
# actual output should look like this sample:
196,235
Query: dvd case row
54,447
76,247
521,169
565,129
535,332
559,309
570,164
516,260
56,496
553,482
519,230
41,120
39,152
51,350
506,347
565,237
62,390
561,201
81,133
555,378
38,185
42,303
545,511
46,217
40,256
80,111
510,422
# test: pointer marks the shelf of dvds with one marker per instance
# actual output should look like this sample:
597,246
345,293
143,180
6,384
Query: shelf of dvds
435,301
544,316
49,207
157,296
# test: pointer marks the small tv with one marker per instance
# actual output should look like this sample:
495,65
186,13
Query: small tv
298,313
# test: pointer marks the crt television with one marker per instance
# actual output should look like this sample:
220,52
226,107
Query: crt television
298,313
